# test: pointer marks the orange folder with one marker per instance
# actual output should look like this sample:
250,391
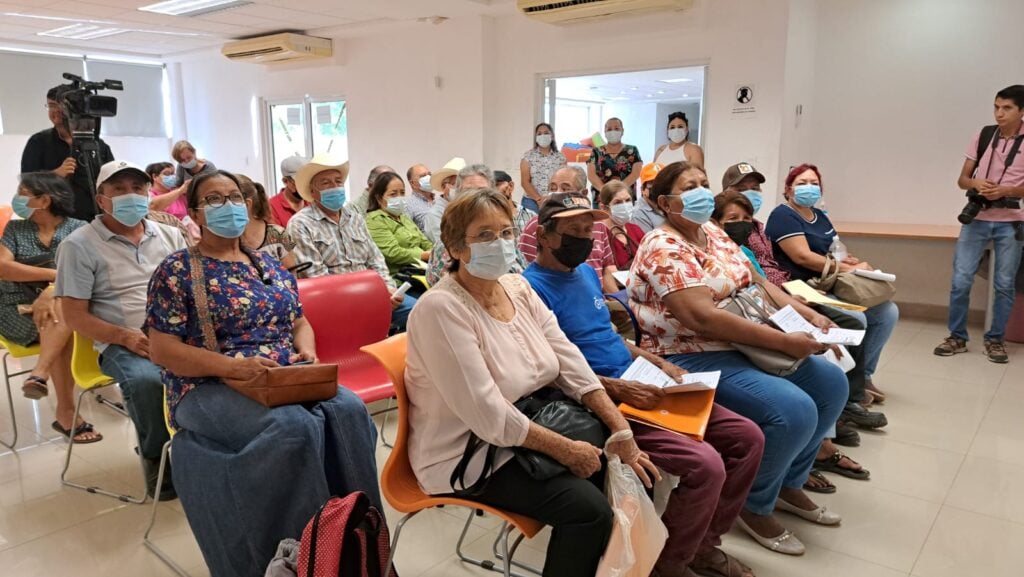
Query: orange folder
685,413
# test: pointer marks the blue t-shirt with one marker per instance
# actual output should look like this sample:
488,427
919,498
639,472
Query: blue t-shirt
785,222
578,303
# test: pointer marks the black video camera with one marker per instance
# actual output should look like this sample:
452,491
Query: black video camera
976,203
83,107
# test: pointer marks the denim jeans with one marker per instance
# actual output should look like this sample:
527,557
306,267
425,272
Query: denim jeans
970,246
249,476
880,321
794,413
143,392
400,316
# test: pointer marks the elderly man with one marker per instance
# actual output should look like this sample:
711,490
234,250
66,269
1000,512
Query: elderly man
287,201
103,273
503,182
417,204
442,182
362,202
715,475
333,237
645,214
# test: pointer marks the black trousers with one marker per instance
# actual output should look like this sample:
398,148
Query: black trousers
577,510
856,375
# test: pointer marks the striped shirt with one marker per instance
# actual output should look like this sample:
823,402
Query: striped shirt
600,257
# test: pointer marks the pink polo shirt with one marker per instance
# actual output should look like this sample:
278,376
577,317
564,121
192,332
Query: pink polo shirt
1014,174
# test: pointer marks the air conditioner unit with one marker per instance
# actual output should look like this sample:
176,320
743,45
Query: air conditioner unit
284,47
575,11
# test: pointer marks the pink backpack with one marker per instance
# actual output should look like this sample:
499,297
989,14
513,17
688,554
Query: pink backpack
346,538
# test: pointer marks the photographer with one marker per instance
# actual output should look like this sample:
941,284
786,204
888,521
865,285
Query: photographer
993,176
51,150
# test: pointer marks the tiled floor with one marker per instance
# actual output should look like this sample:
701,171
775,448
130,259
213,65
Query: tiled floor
945,499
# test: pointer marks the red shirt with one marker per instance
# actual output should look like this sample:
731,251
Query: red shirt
624,252
280,210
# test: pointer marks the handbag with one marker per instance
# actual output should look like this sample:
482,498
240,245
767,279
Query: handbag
549,409
275,386
30,290
754,304
852,288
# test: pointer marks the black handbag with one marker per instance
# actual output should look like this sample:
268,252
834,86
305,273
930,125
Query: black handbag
550,409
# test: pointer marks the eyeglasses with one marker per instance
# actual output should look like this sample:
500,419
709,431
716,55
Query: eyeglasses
217,201
51,106
510,233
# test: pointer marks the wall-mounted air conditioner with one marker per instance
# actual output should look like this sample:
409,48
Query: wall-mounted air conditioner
575,11
284,47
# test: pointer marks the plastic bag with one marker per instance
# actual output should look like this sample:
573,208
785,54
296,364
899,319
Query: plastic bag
638,535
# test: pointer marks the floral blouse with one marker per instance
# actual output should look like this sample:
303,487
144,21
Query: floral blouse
253,308
615,167
542,167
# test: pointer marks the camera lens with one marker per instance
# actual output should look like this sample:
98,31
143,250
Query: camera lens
971,210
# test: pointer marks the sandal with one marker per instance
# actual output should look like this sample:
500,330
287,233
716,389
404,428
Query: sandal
34,387
723,565
825,486
831,465
80,430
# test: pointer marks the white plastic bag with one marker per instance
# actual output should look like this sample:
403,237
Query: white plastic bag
638,535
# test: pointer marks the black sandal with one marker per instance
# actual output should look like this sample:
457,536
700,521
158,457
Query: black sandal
831,465
828,489
79,430
34,388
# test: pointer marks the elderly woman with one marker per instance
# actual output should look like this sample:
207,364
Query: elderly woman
28,252
681,273
624,235
479,341
801,236
261,233
189,165
614,160
250,484
539,165
396,235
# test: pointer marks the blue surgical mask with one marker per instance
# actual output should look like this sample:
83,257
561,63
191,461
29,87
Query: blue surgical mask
425,185
129,209
169,180
490,260
21,207
396,205
227,220
755,198
698,205
807,195
190,164
333,198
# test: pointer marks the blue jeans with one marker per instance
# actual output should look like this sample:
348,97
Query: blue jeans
794,413
970,246
400,315
880,321
249,476
143,393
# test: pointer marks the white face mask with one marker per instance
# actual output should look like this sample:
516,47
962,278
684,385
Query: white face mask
621,213
613,136
396,205
425,185
543,140
490,260
677,135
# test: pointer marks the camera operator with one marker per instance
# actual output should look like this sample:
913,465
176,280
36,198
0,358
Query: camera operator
50,149
993,176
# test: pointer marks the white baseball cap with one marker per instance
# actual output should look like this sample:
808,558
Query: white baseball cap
108,170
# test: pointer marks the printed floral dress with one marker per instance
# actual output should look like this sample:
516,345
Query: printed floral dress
615,166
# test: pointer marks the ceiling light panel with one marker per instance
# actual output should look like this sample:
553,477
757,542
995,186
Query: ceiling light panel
192,7
82,32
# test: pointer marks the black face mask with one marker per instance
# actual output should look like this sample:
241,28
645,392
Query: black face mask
574,250
739,231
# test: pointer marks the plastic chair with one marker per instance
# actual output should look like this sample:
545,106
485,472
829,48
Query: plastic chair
6,213
398,482
165,455
16,351
622,298
85,368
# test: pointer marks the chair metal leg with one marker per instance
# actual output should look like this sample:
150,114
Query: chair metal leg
91,488
394,542
10,402
490,565
515,547
164,457
384,425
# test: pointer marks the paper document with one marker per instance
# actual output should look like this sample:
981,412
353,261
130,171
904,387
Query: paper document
790,321
844,362
876,275
621,276
799,288
646,372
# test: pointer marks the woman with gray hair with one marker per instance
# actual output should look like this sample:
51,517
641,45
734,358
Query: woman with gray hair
28,252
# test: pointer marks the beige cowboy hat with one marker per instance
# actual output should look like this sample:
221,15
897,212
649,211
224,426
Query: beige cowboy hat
451,169
318,164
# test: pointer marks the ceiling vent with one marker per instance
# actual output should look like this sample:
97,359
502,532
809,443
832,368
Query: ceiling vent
576,11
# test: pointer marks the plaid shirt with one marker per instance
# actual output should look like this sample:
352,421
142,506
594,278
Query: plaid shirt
335,248
522,217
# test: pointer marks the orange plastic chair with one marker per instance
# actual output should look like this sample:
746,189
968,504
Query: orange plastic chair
6,213
398,482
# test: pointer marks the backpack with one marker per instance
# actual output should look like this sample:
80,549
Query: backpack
346,538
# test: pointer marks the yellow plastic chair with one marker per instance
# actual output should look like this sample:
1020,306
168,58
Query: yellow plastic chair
15,351
85,368
165,455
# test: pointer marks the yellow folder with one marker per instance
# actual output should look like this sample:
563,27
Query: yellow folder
799,288
685,413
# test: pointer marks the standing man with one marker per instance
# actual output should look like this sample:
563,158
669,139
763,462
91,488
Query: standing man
993,176
417,204
287,201
50,149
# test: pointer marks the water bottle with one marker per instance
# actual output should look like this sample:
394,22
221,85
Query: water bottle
838,249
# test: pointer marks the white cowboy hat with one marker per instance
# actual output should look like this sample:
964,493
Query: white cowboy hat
451,169
318,164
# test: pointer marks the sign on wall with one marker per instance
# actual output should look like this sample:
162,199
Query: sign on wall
744,104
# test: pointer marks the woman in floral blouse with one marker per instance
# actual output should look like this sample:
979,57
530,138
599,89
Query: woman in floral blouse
615,160
539,165
248,476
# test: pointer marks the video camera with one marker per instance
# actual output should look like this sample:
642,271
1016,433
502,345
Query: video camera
976,203
83,107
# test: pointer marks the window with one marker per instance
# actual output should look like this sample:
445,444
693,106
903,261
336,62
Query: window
305,127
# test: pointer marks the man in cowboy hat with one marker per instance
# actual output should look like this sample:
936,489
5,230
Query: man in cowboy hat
442,182
332,237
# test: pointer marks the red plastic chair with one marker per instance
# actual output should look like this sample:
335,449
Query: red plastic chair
348,311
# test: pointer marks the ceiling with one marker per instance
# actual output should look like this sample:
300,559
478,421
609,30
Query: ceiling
157,35
635,87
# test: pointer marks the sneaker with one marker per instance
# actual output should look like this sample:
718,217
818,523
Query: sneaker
996,352
857,415
951,346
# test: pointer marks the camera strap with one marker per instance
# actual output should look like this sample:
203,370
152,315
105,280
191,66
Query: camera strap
993,132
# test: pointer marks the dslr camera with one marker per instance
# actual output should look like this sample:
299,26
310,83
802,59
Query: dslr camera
976,203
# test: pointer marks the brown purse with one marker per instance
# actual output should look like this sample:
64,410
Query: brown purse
275,386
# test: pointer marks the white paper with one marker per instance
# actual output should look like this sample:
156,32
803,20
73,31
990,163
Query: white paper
790,321
646,372
621,276
876,275
845,362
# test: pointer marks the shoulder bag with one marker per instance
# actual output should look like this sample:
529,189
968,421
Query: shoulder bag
754,304
275,386
852,288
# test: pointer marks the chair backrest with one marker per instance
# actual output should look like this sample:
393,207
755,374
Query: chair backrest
623,299
85,364
5,216
346,311
397,480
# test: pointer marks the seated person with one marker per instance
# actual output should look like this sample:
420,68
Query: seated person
399,239
521,215
422,198
743,179
103,270
332,236
801,236
287,201
479,341
442,182
248,485
682,271
28,253
645,214
260,232
189,165
166,194
596,252
716,475
362,202
625,236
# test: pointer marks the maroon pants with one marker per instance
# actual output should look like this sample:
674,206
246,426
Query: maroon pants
715,477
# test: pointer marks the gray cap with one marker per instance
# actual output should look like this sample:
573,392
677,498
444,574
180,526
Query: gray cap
292,165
